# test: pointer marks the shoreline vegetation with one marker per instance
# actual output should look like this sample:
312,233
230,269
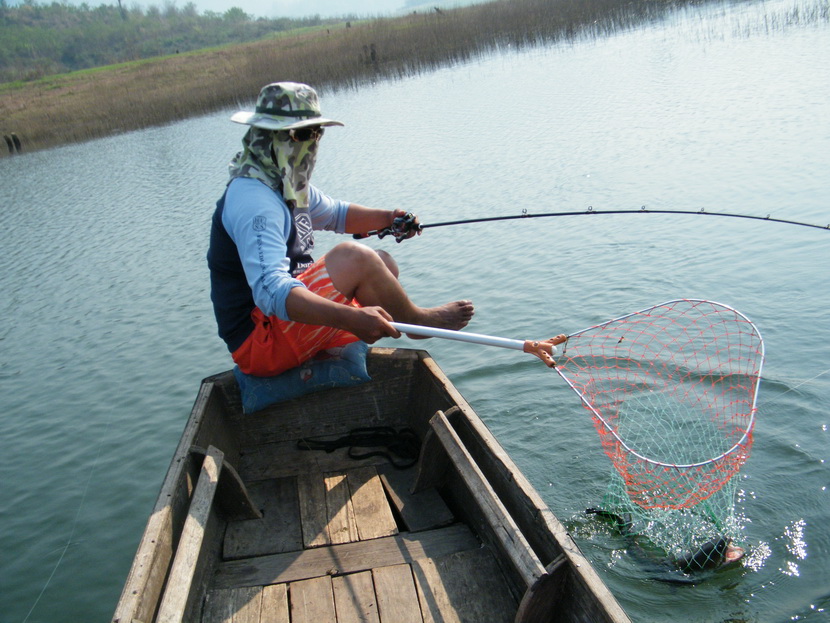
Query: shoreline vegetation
114,99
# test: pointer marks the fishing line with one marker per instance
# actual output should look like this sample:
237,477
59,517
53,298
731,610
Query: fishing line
792,389
69,541
404,225
93,470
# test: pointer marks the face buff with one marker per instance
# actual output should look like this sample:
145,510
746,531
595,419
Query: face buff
285,166
255,159
295,162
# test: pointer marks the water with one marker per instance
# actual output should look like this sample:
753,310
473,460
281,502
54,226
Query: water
107,327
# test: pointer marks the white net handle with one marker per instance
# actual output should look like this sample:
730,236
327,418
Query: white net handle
544,349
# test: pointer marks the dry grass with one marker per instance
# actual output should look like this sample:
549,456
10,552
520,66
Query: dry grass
89,104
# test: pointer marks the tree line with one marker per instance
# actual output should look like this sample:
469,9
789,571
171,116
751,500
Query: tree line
44,39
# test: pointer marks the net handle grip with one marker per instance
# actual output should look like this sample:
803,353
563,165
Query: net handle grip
546,349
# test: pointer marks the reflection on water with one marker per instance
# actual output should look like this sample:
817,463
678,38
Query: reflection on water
796,546
108,328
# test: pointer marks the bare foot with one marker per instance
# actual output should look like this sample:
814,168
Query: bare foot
453,316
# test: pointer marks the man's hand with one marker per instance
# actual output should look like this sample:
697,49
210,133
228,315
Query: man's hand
370,324
404,225
363,222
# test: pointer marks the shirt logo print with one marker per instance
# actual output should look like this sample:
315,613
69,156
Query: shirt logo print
304,230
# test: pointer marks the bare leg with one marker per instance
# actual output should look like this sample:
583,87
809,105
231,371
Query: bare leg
371,278
390,262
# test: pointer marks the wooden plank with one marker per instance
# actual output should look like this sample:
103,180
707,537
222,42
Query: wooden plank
206,565
177,592
312,601
219,606
465,587
371,509
424,510
354,598
279,528
431,391
212,427
444,386
341,526
149,569
504,530
397,597
274,604
314,519
248,604
345,558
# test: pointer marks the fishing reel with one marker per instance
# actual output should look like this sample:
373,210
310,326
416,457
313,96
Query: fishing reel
401,227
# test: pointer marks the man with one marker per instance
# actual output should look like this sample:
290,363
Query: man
275,306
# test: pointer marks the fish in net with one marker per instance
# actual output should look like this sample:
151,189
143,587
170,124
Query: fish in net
672,392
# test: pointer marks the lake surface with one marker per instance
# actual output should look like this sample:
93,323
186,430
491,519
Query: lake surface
107,326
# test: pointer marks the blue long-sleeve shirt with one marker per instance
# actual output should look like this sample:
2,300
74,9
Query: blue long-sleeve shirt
248,254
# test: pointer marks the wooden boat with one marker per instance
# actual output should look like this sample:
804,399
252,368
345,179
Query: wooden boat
249,526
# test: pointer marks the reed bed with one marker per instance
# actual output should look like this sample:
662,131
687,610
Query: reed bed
84,105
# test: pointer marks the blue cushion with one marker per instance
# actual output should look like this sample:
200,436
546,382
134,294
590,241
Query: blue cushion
342,368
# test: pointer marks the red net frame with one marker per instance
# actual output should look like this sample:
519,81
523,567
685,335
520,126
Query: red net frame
672,391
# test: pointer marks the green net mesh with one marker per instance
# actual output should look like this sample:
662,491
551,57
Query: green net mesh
672,392
694,538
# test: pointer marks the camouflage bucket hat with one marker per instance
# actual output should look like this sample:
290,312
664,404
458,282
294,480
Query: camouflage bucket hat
285,106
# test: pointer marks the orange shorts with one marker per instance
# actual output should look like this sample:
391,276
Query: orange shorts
276,345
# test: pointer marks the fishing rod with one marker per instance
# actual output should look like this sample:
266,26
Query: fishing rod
403,225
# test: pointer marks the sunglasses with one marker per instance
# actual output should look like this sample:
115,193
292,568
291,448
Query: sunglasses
301,135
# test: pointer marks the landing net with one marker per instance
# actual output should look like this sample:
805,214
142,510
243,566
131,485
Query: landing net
672,392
